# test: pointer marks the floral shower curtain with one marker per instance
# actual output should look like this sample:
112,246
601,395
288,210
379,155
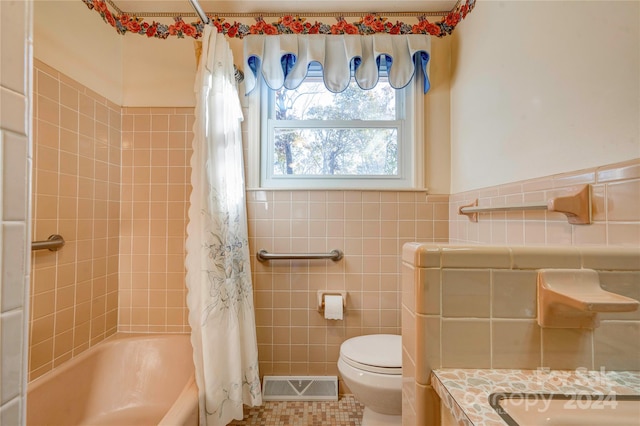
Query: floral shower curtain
220,297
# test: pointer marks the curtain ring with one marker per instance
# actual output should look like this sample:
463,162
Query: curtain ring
239,75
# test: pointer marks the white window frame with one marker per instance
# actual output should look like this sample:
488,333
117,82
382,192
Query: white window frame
410,101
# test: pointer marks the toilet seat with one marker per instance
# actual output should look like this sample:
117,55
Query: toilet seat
376,353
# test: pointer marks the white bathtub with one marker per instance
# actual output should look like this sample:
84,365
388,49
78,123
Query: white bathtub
129,379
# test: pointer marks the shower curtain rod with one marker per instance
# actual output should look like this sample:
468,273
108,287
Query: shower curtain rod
239,75
196,6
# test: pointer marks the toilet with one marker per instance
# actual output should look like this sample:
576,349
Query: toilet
371,366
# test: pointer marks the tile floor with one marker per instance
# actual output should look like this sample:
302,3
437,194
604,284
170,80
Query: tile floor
347,411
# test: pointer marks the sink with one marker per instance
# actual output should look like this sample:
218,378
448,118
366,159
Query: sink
533,409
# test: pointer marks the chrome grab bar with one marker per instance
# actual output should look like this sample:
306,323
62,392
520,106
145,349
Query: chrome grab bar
53,243
264,255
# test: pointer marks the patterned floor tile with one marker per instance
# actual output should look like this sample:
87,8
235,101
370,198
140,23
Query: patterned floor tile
347,411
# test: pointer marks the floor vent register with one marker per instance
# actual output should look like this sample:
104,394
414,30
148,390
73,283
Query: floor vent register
300,388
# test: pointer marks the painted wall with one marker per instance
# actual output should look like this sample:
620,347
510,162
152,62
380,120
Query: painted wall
540,88
77,42
156,72
437,125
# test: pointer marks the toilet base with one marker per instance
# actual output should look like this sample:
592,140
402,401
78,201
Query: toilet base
371,418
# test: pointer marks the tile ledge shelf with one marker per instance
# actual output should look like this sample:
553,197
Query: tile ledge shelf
465,392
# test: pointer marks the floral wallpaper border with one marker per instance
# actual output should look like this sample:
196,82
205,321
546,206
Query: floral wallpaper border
288,24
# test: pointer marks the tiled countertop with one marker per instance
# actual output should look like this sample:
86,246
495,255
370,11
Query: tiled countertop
465,392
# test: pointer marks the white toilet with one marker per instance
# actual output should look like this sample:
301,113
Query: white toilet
371,366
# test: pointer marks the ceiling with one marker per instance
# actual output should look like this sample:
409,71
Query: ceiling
183,7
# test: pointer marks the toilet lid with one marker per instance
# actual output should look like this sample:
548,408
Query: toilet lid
383,351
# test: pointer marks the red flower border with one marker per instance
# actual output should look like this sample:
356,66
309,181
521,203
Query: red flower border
288,24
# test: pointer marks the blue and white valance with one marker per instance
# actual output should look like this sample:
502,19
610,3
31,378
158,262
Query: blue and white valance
283,60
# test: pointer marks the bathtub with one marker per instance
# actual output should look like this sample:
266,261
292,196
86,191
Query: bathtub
129,379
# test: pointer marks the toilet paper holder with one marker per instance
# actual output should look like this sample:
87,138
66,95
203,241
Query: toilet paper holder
323,293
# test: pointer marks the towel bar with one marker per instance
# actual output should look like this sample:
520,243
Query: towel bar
576,207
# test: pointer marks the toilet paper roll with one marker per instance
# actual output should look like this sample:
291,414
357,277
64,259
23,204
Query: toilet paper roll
333,307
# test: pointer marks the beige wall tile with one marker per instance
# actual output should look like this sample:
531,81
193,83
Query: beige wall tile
427,406
515,344
558,232
614,198
623,203
42,329
622,171
409,330
613,258
483,257
41,355
466,293
617,345
515,340
63,346
427,347
155,180
574,178
567,349
408,399
60,173
594,234
422,255
623,234
513,294
354,221
466,343
545,257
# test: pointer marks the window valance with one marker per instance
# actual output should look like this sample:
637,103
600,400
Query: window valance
283,60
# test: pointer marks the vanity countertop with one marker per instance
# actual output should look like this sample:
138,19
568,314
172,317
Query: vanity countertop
465,392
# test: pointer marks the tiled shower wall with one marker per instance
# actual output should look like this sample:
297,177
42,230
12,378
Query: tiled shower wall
114,183
156,151
76,193
370,227
616,210
15,180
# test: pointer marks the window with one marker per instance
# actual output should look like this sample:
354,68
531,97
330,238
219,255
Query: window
313,138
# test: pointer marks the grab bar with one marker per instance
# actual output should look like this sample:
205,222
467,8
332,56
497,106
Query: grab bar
53,243
264,255
576,207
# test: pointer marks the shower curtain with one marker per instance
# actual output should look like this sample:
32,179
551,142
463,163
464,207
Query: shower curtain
220,295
